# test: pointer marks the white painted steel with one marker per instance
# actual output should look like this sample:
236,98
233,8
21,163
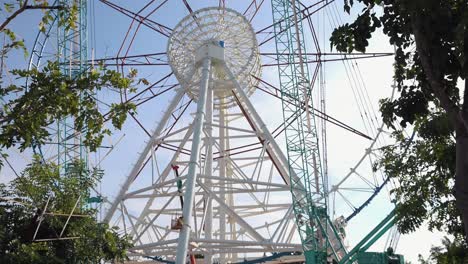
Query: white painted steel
193,164
212,26
208,218
143,155
236,205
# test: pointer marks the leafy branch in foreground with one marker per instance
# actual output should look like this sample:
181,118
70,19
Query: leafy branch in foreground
451,252
431,50
66,17
22,203
50,96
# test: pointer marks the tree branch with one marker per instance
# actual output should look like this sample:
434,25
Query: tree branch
25,7
16,13
59,7
464,66
438,88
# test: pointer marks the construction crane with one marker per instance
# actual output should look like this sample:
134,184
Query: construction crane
321,241
73,58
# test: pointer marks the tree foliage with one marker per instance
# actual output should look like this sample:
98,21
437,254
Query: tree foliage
22,205
47,95
50,96
67,18
430,65
31,105
451,252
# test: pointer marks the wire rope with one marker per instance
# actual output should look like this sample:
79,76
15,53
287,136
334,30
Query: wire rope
361,93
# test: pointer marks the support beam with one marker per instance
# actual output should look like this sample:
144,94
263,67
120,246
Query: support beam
234,215
260,126
141,159
209,142
191,176
223,124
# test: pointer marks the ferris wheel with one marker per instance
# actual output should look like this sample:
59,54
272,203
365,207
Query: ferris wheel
205,159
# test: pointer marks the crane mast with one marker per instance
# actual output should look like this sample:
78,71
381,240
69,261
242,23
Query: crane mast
73,56
320,240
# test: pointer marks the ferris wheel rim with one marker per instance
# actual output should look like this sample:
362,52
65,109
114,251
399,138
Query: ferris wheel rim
197,29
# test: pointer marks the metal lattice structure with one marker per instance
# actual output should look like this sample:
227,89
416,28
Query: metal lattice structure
217,68
318,235
212,178
73,59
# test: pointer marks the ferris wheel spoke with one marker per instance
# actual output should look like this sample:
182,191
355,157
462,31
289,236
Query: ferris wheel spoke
140,124
256,161
347,201
158,27
158,5
175,148
275,92
222,4
255,235
149,59
356,189
189,8
329,57
151,97
253,9
107,119
157,88
252,117
364,179
164,89
315,7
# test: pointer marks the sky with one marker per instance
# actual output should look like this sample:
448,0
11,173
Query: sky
373,77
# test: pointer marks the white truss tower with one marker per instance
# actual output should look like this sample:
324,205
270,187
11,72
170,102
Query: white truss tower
213,182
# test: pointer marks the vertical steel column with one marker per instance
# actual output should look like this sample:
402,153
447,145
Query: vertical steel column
209,142
72,56
193,163
229,196
223,123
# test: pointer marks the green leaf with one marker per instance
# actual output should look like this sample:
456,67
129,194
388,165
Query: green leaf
8,7
429,38
42,182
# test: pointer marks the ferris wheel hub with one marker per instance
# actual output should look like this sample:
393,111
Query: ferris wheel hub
226,37
213,49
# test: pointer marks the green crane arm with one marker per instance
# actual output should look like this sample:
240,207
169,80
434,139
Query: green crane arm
370,239
308,185
320,240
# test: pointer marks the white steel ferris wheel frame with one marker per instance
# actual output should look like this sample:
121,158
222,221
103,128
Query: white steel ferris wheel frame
232,185
196,43
215,185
